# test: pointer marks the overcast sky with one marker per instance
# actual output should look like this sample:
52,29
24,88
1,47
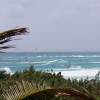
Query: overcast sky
54,25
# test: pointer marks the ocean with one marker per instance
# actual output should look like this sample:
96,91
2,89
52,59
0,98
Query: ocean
70,64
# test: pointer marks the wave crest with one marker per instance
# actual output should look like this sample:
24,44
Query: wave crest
7,69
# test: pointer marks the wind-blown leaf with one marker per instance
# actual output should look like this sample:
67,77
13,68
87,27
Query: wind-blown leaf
5,40
6,36
6,47
13,32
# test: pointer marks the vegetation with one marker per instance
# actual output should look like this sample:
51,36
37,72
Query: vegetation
37,85
6,37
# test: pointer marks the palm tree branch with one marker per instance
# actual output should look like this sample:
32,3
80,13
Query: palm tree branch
6,36
5,40
58,93
13,32
26,90
6,47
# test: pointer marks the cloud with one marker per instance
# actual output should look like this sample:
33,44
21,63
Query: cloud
55,25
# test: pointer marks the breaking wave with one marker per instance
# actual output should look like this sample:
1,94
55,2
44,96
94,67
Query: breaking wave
39,62
83,73
7,69
85,56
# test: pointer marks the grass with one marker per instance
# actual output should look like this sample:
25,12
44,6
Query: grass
39,85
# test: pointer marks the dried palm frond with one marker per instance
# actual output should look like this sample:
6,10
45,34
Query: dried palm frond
26,90
50,94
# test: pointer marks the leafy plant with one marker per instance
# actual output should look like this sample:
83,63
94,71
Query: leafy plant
25,90
37,85
6,36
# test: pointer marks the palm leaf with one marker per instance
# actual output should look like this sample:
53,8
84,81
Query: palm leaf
6,47
6,36
26,90
13,32
54,93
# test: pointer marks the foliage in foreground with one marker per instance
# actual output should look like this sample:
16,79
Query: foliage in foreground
26,90
31,84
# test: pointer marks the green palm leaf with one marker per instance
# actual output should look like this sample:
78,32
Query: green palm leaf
8,35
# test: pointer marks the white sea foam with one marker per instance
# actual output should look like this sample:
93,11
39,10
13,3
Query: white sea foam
32,62
61,56
77,56
43,63
75,67
72,68
39,62
79,73
85,56
7,69
94,62
95,56
39,56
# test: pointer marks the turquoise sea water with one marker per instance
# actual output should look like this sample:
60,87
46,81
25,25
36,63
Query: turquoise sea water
70,64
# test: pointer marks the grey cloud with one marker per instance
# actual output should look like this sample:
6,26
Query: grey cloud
55,25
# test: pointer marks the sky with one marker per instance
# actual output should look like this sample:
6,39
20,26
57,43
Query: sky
54,25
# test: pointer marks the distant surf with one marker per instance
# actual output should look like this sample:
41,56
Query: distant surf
84,73
73,65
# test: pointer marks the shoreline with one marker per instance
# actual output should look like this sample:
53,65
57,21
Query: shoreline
72,74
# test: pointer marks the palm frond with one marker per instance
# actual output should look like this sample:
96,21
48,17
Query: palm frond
54,93
26,90
6,36
12,32
19,90
6,47
5,41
